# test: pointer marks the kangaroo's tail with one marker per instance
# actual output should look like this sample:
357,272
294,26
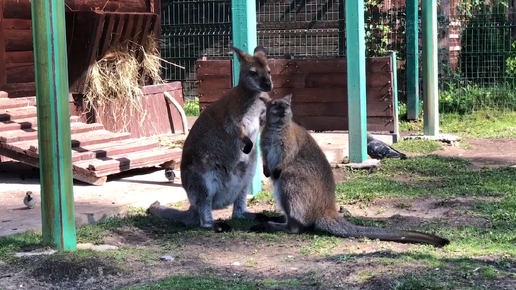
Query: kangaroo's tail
340,227
188,217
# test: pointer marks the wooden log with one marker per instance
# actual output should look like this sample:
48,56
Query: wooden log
19,24
19,56
20,9
18,40
20,89
22,72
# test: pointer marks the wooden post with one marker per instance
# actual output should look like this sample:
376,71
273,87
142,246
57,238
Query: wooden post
355,54
243,15
54,136
412,69
430,77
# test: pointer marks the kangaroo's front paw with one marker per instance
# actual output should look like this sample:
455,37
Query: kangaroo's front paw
266,171
259,228
248,145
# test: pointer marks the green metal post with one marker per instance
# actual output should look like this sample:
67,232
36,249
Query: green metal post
412,71
54,140
355,55
243,15
430,78
394,64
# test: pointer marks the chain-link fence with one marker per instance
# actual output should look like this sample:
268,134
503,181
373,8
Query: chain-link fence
477,59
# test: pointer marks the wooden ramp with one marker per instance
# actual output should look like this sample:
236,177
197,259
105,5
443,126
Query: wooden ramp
96,152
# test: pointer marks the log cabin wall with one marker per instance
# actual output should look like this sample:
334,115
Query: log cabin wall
16,46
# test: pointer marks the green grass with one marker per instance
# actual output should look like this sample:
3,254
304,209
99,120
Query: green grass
192,107
417,146
481,124
447,178
197,283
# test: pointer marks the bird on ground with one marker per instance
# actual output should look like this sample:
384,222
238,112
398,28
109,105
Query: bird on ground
170,174
29,200
377,149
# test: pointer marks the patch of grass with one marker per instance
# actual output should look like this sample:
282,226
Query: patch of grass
262,197
494,188
479,124
273,283
197,283
322,245
418,146
192,107
427,282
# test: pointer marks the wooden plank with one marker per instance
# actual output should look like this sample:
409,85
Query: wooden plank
19,56
26,123
21,8
19,24
118,29
128,27
19,113
128,161
111,149
3,75
215,81
108,34
80,175
304,95
341,123
22,72
374,109
213,67
20,89
32,133
17,40
16,103
292,66
79,139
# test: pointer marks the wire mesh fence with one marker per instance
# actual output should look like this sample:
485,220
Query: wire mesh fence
477,58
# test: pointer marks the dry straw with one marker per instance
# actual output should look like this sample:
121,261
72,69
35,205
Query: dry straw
114,83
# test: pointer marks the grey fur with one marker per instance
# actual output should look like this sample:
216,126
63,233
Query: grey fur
304,186
214,171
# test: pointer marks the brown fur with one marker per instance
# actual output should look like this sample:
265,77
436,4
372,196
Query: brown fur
214,171
304,185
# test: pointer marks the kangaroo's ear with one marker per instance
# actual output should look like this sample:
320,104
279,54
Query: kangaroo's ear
242,56
288,98
260,49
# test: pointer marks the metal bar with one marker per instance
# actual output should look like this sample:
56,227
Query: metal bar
54,140
412,71
394,65
430,89
355,55
243,15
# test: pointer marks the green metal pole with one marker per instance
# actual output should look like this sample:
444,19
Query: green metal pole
55,154
412,71
430,78
243,15
355,55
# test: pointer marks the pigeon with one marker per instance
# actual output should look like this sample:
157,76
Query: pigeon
170,174
29,200
377,149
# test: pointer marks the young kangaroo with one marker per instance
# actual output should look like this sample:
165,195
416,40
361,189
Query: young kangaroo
304,186
214,171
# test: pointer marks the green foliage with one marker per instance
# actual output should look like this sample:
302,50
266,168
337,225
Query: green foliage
192,107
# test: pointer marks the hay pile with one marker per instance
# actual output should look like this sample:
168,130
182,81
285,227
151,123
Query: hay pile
114,81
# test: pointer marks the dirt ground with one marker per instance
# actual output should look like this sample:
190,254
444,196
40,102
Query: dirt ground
366,265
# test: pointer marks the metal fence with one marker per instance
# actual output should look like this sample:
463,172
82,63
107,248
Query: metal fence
476,52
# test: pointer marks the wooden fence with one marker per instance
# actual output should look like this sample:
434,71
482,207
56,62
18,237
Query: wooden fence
318,87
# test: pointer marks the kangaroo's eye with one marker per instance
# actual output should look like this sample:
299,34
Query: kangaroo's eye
253,73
